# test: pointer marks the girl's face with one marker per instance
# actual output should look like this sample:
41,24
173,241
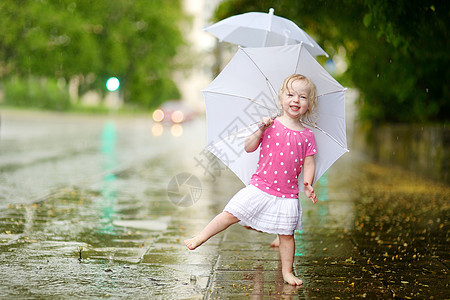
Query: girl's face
294,100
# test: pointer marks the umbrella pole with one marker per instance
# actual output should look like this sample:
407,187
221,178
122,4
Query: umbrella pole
269,27
327,134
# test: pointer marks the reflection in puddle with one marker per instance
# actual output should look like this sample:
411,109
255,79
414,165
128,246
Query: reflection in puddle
281,289
176,130
157,129
323,183
323,210
158,224
108,150
299,247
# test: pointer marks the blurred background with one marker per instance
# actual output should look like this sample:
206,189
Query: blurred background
59,55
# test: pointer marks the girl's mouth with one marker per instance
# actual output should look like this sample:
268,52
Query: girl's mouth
295,107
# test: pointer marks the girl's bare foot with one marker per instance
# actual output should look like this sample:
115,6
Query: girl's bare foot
193,243
275,243
291,279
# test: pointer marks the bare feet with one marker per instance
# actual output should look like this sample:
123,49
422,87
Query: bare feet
193,243
275,243
291,279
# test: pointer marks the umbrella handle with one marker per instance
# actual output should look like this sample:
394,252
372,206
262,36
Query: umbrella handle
260,126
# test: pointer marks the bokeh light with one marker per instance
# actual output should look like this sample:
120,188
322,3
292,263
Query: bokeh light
112,84
177,116
158,115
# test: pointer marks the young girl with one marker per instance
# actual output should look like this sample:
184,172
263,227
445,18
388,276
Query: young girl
270,202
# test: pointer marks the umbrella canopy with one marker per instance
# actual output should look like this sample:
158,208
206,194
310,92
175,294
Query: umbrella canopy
257,29
246,90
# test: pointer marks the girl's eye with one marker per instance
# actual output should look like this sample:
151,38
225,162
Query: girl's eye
290,95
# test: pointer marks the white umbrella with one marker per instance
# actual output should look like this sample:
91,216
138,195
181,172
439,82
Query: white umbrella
255,29
246,90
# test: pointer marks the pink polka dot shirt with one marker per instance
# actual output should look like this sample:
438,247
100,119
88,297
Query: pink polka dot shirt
282,154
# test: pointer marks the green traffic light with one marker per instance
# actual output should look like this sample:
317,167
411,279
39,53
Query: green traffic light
112,84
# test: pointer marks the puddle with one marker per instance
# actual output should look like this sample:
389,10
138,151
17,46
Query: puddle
159,224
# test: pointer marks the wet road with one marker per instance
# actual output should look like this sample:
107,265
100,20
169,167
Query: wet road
85,212
40,151
96,183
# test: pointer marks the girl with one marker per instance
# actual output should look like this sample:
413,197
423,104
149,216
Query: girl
270,202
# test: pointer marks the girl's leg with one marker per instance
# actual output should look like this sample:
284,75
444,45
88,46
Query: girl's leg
287,251
221,222
276,242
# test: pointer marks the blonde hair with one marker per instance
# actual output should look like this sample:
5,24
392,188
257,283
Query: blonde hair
309,116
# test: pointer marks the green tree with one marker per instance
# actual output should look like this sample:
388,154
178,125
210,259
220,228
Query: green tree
135,41
416,62
397,51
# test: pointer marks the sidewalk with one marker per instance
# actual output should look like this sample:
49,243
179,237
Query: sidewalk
396,246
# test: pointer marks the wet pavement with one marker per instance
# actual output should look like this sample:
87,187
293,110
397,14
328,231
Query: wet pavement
85,213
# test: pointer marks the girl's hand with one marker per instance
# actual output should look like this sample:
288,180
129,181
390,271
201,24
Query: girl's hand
309,192
252,142
265,123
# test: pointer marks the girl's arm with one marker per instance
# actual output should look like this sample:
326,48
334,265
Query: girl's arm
309,168
253,141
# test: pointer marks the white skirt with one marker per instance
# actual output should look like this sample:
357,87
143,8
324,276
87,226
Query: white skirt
263,212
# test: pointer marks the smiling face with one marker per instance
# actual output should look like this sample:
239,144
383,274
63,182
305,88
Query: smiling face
294,98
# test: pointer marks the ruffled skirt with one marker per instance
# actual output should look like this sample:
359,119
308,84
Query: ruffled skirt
263,212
